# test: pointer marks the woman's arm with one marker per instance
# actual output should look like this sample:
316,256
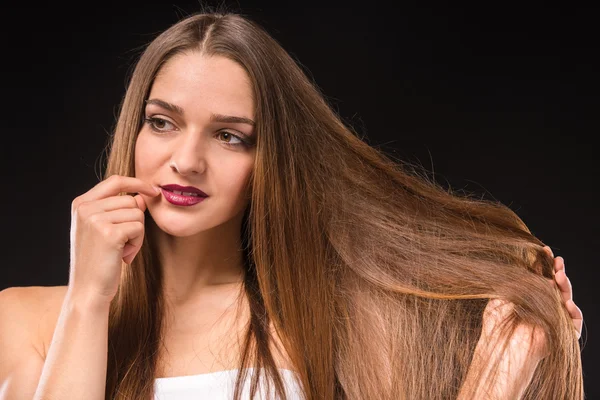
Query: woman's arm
75,367
20,360
525,349
516,363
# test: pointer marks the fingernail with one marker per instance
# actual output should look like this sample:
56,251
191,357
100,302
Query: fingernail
156,188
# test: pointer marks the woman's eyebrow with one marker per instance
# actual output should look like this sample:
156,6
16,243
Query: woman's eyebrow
213,118
231,119
168,106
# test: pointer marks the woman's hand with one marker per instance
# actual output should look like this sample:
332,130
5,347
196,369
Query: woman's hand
566,290
526,347
106,230
528,337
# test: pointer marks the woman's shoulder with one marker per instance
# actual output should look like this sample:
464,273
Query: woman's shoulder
37,308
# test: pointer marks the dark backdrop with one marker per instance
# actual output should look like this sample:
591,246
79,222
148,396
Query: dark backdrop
496,100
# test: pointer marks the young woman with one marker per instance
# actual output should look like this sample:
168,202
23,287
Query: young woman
245,241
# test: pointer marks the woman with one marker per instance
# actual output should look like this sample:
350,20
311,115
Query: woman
279,245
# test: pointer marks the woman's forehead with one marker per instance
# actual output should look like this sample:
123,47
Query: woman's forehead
191,79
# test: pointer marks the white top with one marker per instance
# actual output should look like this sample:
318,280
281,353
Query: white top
220,385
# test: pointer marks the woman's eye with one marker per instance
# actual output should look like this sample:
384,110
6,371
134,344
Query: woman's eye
159,124
162,125
230,136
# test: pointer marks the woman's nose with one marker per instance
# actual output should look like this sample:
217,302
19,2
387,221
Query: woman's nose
189,156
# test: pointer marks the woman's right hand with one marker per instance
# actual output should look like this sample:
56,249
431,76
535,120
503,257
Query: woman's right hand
106,229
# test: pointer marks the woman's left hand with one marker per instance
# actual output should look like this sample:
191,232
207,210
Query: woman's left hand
526,347
527,336
564,285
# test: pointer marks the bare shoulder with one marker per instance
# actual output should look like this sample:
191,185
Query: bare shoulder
34,310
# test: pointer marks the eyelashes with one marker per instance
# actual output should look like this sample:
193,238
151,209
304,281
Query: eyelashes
162,126
153,122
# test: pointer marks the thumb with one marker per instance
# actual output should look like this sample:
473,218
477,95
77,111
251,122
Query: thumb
141,203
131,248
130,251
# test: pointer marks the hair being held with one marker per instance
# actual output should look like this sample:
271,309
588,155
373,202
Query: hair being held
374,276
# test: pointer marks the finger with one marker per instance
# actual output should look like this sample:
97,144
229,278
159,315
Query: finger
564,285
134,231
111,204
576,316
559,264
117,203
116,184
123,215
141,203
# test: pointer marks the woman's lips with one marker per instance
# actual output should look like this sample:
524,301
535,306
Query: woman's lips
173,187
181,199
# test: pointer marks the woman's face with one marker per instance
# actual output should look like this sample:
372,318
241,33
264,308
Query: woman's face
185,141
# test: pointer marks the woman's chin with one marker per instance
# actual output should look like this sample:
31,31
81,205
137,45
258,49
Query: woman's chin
178,227
179,231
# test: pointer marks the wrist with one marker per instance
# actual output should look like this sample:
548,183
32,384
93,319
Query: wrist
87,302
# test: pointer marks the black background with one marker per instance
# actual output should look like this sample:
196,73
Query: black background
499,100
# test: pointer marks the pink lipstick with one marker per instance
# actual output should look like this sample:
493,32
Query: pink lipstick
184,189
183,195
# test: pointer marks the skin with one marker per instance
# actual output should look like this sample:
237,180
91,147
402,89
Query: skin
199,246
526,347
566,290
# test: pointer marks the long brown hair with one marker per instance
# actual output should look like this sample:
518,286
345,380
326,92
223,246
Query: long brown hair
374,276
